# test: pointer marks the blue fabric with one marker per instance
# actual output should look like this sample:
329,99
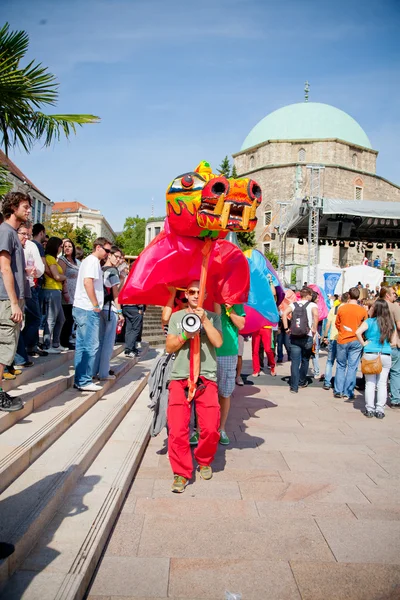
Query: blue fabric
347,360
331,280
373,335
283,340
30,332
261,297
106,343
87,344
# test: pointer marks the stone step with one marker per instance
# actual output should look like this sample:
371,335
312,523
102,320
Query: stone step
37,390
33,499
43,365
63,562
22,444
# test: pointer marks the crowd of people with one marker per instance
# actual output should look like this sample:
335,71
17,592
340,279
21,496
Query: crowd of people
52,300
355,330
45,285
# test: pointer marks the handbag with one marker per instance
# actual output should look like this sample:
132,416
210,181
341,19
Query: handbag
371,367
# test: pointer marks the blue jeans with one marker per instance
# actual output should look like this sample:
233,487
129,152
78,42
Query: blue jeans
54,318
106,343
300,354
30,332
282,340
332,349
87,343
347,359
315,357
395,377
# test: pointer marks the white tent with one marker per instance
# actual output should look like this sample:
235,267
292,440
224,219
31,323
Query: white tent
352,275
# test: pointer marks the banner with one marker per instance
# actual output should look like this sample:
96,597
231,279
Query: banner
331,280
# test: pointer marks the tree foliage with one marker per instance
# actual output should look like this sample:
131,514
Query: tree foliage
5,184
24,92
132,239
225,167
273,258
58,226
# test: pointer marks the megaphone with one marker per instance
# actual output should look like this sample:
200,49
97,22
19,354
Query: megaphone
191,323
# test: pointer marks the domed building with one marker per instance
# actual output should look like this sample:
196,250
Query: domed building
276,153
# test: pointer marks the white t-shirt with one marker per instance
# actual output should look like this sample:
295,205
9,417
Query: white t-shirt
309,312
90,268
31,252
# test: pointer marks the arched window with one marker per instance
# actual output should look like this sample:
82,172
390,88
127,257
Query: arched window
251,161
354,160
302,155
358,188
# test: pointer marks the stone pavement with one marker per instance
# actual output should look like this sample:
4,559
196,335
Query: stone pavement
304,503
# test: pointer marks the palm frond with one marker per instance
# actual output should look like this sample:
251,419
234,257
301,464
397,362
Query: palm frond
51,126
5,184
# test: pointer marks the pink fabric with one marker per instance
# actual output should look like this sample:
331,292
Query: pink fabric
322,307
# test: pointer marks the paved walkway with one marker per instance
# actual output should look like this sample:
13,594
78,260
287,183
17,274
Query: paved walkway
304,503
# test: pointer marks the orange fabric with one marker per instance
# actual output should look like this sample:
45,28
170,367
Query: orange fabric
348,320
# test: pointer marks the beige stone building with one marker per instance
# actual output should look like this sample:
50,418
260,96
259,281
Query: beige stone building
276,153
79,215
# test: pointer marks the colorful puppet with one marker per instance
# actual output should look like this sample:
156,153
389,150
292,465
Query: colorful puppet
201,206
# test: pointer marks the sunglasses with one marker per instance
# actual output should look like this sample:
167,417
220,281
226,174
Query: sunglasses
184,300
108,250
193,292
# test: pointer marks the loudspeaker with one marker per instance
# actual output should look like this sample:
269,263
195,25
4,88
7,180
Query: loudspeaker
191,323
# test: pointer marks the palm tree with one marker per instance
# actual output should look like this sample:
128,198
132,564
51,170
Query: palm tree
24,91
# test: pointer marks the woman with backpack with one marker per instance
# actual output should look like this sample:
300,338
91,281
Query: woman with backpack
378,332
109,316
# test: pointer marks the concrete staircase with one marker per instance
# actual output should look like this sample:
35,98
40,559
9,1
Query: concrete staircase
66,462
152,331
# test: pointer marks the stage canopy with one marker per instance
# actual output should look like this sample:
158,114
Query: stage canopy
358,220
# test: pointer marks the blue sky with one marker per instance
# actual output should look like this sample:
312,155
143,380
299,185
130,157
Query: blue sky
176,82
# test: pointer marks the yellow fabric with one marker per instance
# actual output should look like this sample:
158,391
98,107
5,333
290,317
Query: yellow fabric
49,282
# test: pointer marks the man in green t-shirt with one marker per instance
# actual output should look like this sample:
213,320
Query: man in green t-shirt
232,319
206,396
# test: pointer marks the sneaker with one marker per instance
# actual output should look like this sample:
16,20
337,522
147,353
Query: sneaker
336,395
28,363
9,376
8,403
293,391
346,397
108,378
90,387
194,440
239,380
369,413
14,371
395,405
131,354
326,387
111,372
379,414
37,353
317,377
205,472
61,348
223,438
273,373
279,362
304,385
53,351
179,484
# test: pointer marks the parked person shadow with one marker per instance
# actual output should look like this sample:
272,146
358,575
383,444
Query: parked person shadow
26,503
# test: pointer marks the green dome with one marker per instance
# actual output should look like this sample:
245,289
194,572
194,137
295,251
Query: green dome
307,121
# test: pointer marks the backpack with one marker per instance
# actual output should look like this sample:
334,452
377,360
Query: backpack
299,326
158,392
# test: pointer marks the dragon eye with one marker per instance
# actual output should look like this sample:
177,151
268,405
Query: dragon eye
218,188
256,190
187,181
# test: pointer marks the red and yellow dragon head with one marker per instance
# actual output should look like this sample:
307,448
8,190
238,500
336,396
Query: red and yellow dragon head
201,204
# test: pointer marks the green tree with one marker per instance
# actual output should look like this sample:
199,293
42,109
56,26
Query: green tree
84,238
24,92
132,239
225,167
247,239
272,257
5,185
234,174
58,226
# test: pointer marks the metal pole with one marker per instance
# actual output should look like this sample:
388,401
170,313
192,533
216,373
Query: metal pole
314,205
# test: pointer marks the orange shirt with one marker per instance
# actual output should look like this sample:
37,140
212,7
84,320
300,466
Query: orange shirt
348,320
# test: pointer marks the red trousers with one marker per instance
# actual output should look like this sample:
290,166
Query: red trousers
178,415
266,336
